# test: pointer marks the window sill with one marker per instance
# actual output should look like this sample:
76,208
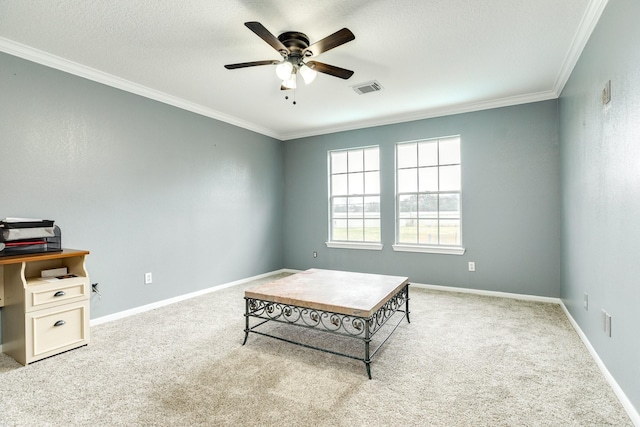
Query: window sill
355,245
446,250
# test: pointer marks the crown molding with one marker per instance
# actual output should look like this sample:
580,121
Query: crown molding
587,25
430,114
52,61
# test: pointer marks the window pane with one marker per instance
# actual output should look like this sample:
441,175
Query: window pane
428,205
339,185
428,179
407,231
407,180
372,207
371,159
450,232
372,230
339,207
356,207
348,178
450,206
371,183
356,160
339,162
339,229
428,231
408,207
407,155
428,153
450,151
356,230
450,178
356,183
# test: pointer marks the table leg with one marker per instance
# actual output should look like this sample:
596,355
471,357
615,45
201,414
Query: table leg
407,304
246,321
367,342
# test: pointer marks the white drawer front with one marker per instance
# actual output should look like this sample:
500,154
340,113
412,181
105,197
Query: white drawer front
57,329
49,294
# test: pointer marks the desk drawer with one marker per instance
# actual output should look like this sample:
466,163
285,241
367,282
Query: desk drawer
57,329
41,294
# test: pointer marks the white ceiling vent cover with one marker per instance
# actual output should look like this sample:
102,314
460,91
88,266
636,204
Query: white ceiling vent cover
368,87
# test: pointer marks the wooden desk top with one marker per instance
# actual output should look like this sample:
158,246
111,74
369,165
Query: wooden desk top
353,294
64,253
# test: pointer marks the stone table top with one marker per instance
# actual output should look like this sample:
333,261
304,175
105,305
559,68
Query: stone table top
353,294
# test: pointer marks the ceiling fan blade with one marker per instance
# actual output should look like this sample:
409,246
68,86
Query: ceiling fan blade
334,40
332,70
265,35
250,64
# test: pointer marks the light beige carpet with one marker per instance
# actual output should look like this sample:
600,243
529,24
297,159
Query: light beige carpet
464,360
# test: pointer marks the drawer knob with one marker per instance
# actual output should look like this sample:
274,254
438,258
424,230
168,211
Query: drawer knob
59,323
59,294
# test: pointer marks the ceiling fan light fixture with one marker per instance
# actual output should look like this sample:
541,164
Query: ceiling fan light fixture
284,69
307,73
290,83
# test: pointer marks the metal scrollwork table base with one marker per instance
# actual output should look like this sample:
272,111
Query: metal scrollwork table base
351,305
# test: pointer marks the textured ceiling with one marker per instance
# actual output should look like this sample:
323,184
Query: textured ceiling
432,57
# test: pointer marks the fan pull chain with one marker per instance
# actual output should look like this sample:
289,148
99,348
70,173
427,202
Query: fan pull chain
294,97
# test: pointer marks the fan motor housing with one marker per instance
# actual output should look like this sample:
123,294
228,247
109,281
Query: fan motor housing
294,41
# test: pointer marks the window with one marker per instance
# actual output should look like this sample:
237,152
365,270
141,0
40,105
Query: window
354,198
428,195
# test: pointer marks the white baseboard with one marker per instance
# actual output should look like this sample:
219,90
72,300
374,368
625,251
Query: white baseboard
622,397
488,293
158,304
624,400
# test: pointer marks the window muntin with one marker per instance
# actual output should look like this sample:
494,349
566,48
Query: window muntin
354,193
428,192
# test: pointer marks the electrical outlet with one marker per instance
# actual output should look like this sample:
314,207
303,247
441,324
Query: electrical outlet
472,266
148,278
315,254
586,301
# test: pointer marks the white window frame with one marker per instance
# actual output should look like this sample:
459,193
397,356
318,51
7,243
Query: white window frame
350,244
421,247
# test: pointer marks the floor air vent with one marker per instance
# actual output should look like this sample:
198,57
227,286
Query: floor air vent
368,87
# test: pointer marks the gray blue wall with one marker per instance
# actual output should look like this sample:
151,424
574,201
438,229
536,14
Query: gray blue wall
148,187
601,192
510,202
144,186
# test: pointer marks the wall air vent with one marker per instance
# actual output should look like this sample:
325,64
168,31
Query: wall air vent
367,87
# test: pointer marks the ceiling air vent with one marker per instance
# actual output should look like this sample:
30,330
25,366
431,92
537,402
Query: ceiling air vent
368,87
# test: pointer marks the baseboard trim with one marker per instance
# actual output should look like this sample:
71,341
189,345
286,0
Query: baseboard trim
622,397
488,293
158,304
624,400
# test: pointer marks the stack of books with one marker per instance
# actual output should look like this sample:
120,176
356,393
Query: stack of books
28,235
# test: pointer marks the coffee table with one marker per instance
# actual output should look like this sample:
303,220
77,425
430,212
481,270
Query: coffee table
352,305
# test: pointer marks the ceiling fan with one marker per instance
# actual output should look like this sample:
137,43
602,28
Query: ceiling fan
295,49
